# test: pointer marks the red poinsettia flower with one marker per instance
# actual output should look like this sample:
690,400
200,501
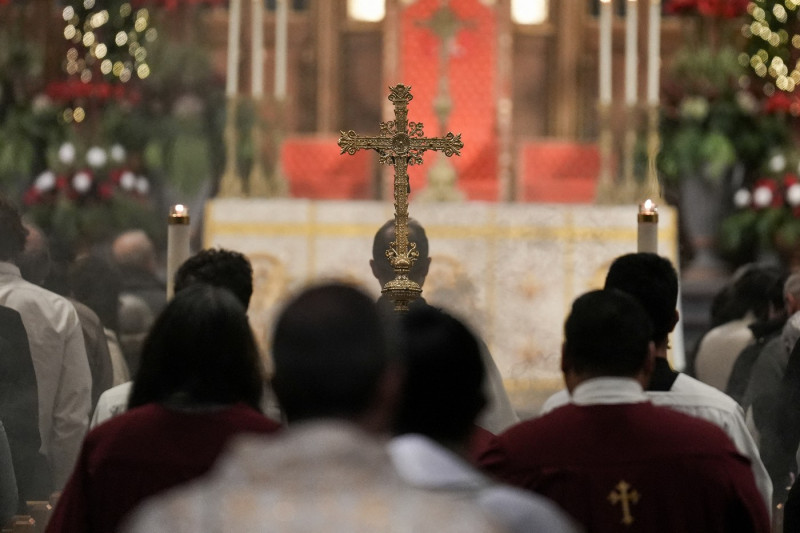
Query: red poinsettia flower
722,8
105,190
779,102
677,7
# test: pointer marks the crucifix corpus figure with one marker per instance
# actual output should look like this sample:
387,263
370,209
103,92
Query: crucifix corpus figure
401,143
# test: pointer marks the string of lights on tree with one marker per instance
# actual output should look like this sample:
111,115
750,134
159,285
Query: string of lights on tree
773,50
107,41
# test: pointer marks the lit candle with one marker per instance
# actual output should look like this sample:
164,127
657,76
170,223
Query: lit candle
257,89
647,231
631,53
234,27
281,47
653,52
178,233
605,51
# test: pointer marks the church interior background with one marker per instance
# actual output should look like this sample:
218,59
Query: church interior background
113,110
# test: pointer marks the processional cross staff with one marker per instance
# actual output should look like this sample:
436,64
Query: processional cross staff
401,144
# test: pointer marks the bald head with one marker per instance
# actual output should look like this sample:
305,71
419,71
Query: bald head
134,250
382,268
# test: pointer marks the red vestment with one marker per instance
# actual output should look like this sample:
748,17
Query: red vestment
140,453
632,467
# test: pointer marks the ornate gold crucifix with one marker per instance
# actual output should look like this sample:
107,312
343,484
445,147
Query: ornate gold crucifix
401,144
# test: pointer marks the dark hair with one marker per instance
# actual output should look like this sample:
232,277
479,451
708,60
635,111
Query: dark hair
385,236
330,350
653,281
200,350
96,282
221,268
751,289
12,232
607,333
443,391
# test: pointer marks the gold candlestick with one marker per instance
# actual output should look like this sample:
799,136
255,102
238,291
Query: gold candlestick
628,188
231,183
605,182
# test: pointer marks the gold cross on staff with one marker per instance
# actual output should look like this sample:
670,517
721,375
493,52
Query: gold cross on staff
626,497
401,143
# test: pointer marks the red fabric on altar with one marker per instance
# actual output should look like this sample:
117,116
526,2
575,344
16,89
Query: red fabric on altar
558,172
472,81
315,169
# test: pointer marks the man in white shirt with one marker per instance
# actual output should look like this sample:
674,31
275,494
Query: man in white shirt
442,398
57,349
653,282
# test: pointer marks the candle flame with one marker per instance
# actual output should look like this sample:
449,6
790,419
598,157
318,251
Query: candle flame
179,210
648,207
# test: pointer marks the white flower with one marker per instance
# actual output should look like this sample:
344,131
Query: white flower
41,103
66,153
127,181
777,163
747,102
142,185
96,157
793,195
742,198
762,196
45,181
117,153
82,182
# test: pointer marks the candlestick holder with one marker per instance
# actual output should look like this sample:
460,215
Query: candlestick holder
605,182
230,184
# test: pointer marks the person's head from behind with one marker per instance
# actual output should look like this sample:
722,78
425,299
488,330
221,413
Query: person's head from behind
200,351
331,358
607,334
34,262
753,290
220,268
791,294
96,282
442,393
133,250
382,268
12,232
653,282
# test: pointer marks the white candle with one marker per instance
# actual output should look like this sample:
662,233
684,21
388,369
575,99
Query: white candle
281,48
605,51
631,53
647,228
178,234
234,29
653,52
257,69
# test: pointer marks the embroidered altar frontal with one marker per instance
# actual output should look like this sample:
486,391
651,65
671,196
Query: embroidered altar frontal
512,270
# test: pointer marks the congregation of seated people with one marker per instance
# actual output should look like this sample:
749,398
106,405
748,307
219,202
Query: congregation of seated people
122,410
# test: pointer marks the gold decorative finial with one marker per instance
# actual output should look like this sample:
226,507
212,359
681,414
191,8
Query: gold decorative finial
401,143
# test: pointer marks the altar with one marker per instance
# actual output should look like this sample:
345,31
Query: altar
512,270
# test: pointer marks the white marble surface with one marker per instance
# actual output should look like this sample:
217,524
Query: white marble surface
511,269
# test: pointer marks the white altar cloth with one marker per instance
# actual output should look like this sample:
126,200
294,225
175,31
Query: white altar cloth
512,270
